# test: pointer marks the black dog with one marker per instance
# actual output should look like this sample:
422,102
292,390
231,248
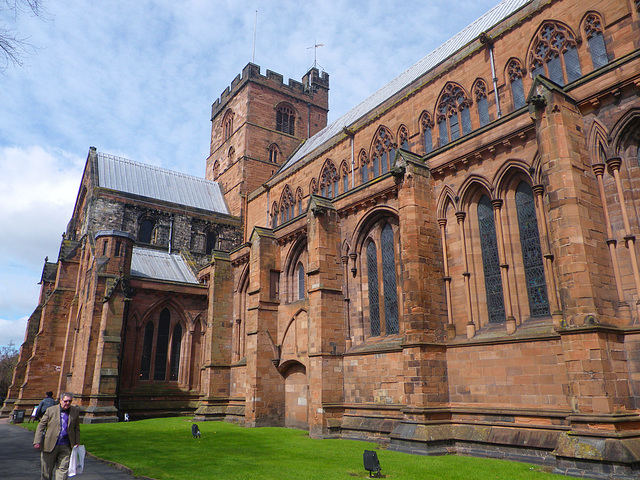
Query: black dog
195,431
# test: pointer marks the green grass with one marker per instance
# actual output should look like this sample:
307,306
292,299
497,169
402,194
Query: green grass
165,450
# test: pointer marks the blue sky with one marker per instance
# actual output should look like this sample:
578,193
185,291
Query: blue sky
137,79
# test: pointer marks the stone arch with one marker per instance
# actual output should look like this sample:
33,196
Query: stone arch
597,142
502,178
296,396
447,196
625,132
296,257
469,188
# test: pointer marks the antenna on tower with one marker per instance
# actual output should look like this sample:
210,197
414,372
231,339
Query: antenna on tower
315,47
255,28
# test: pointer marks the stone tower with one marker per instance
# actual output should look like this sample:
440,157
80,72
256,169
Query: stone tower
257,123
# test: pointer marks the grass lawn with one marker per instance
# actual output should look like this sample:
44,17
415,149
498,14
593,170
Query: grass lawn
165,450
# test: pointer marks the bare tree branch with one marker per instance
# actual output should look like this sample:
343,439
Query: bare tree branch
13,48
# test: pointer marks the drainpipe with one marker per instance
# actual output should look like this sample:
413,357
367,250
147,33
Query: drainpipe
170,233
485,39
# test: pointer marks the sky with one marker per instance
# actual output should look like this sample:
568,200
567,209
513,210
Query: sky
137,79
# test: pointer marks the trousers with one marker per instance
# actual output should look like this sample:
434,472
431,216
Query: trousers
55,464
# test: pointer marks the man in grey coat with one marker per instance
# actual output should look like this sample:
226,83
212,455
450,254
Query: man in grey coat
60,428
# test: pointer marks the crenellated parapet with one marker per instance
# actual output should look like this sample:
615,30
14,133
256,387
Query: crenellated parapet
313,87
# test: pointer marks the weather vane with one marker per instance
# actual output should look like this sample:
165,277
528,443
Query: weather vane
315,53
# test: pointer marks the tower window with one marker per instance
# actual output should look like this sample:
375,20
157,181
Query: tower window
285,119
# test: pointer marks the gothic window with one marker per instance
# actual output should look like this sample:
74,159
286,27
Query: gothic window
427,127
239,330
273,153
516,73
380,257
454,118
285,119
162,346
595,38
383,152
216,169
329,180
480,94
554,54
212,239
531,252
231,156
299,200
174,363
301,281
490,261
313,187
147,346
344,172
227,124
363,162
287,205
274,215
145,230
403,138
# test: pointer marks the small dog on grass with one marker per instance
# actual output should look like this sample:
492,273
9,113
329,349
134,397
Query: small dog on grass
195,431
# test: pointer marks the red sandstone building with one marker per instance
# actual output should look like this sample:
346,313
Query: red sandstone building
451,266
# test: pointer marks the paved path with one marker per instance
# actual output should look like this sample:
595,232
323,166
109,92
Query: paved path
20,461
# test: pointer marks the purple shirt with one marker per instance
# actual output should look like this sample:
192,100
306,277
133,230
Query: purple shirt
63,437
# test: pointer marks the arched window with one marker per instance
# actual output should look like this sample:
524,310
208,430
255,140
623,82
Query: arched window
480,94
490,261
227,124
231,156
329,180
382,286
427,127
313,187
383,152
147,346
299,200
285,119
554,54
162,346
344,172
301,281
274,215
216,169
363,161
212,239
454,118
531,252
145,231
515,73
273,153
595,39
403,138
176,341
287,205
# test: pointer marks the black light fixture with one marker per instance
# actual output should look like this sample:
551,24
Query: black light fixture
371,463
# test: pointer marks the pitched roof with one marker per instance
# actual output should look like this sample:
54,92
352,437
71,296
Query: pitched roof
149,181
444,51
157,265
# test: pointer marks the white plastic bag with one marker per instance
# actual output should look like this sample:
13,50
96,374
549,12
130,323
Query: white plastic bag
76,462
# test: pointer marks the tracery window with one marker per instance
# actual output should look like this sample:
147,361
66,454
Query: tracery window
313,187
403,138
227,124
480,94
299,200
516,73
554,54
344,172
380,257
156,341
595,39
285,119
531,252
427,127
363,161
287,204
490,261
145,230
383,152
273,153
329,180
162,346
453,116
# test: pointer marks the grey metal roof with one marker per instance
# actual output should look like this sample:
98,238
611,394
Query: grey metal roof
444,51
149,181
157,265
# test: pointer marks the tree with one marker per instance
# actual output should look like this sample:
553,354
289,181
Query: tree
8,361
13,47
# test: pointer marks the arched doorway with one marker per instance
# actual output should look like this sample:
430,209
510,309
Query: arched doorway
296,394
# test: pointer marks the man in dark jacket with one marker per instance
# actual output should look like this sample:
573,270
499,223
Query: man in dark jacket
46,402
62,427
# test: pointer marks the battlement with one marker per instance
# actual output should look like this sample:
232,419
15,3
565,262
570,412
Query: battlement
311,82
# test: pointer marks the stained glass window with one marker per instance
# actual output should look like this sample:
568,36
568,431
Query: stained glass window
162,346
531,253
176,341
301,278
389,281
480,93
453,112
374,300
329,180
490,261
382,153
595,38
515,73
555,52
427,127
147,346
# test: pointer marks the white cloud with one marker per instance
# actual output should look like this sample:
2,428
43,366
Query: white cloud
12,331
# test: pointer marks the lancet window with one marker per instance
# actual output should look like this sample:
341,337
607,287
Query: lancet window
515,72
490,261
274,215
555,54
427,128
480,94
299,200
403,138
227,124
273,153
212,240
363,162
158,335
329,180
146,229
344,173
595,39
285,119
453,116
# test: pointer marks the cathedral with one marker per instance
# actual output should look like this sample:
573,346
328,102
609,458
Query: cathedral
449,267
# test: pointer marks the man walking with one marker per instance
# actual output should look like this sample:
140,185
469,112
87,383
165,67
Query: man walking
62,427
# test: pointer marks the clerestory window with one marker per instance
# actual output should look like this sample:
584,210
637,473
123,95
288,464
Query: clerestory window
453,116
555,54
